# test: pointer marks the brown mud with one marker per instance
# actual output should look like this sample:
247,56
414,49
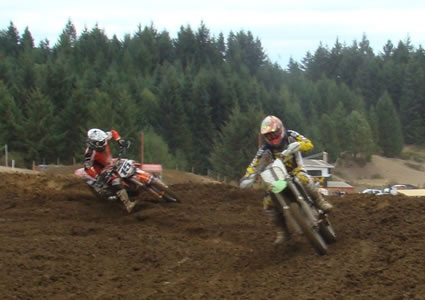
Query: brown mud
57,241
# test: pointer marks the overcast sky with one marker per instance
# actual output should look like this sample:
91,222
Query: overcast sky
286,28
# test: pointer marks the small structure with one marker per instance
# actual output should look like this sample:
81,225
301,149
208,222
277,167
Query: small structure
338,187
321,172
412,193
154,169
319,169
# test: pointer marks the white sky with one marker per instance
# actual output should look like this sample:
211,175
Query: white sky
286,28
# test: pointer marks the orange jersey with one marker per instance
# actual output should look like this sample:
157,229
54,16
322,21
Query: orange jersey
96,161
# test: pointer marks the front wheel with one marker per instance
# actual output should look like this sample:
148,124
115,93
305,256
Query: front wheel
327,231
159,187
309,231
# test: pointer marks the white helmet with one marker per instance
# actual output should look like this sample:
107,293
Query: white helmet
96,139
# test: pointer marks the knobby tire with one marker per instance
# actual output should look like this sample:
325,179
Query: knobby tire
167,194
327,232
313,237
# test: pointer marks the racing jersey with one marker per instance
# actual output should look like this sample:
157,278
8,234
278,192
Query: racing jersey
291,163
96,161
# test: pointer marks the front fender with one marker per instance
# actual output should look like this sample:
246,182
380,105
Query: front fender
278,186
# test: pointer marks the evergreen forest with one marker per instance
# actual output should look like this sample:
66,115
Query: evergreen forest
199,99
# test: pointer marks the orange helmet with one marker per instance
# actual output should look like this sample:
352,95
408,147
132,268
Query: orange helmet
273,131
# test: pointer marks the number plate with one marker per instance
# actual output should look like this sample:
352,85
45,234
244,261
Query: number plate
126,168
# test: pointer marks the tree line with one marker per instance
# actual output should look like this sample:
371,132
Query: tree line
200,98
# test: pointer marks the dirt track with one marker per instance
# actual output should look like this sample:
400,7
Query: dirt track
59,242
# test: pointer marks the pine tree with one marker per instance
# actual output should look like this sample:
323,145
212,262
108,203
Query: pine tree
372,119
359,137
236,144
148,108
390,134
156,151
128,126
26,64
40,133
102,112
318,65
412,103
67,41
244,52
329,137
11,119
205,46
26,42
350,61
171,122
338,115
165,48
9,41
73,125
201,125
185,46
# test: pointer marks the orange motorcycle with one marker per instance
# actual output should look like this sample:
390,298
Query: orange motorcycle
132,177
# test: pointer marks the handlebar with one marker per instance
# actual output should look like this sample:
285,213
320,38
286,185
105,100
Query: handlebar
104,176
123,150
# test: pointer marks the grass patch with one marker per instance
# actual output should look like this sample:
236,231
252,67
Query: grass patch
376,176
415,166
413,155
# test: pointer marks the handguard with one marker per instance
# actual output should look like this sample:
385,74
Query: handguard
247,182
292,148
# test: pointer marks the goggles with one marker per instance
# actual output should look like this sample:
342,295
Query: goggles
273,135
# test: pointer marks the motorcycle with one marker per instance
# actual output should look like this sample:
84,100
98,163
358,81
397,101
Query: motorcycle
132,177
300,212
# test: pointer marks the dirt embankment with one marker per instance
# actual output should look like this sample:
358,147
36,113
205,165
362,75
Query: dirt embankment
381,172
59,242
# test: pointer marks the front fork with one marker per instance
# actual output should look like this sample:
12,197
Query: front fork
305,206
148,186
287,215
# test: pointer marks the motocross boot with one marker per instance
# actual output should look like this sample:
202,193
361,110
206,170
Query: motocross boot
129,205
281,237
318,199
322,203
283,234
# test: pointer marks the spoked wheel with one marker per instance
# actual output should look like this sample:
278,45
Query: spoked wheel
158,186
310,233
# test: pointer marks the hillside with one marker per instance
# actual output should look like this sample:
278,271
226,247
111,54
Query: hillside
381,172
60,242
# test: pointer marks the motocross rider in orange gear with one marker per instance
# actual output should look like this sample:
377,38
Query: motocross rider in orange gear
277,139
98,158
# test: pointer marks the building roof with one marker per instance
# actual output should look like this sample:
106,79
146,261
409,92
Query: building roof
338,184
412,193
316,163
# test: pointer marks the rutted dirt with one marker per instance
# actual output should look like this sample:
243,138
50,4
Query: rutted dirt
57,241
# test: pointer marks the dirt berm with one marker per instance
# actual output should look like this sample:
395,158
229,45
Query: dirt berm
57,241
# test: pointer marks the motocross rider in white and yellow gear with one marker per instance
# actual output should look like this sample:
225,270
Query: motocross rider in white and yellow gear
277,139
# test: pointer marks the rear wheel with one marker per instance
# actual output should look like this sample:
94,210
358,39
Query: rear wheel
311,234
